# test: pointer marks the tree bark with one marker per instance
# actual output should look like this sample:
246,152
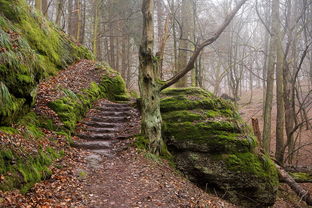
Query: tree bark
38,5
95,28
149,82
45,7
267,115
60,6
185,38
280,105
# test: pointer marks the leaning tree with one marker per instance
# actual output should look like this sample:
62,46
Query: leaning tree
149,76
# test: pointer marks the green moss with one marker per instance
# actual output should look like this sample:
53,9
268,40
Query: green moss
8,130
141,142
114,87
72,107
182,116
10,106
304,177
260,166
194,98
23,172
33,48
32,126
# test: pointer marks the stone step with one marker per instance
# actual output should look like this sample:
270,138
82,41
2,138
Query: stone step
113,113
115,109
94,145
109,119
104,152
114,105
101,136
101,124
96,136
102,130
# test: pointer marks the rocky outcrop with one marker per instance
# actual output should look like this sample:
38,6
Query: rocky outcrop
215,149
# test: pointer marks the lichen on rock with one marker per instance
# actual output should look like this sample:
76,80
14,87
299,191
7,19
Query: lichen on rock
215,149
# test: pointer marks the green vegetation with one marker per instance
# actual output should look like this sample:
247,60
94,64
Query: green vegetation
175,99
213,146
32,48
301,177
250,163
72,106
20,172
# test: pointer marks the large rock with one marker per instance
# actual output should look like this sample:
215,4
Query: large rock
215,149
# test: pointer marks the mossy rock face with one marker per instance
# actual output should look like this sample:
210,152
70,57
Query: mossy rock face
215,148
32,48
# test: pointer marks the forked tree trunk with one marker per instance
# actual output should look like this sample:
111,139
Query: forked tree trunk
148,82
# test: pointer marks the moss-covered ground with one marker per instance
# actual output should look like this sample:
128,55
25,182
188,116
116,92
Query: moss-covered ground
26,153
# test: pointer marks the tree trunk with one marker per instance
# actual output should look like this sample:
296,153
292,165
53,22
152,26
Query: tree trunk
186,13
83,23
149,82
45,7
60,6
267,115
95,28
280,105
38,5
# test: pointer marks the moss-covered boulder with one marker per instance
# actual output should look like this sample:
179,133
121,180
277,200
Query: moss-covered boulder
214,147
31,48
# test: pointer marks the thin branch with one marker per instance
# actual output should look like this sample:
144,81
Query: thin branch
198,50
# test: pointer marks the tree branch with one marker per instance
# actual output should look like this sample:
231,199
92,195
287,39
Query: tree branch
190,64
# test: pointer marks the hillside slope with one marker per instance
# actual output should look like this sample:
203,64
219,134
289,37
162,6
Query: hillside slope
31,49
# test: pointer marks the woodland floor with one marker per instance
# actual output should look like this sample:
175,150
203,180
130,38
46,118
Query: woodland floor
121,177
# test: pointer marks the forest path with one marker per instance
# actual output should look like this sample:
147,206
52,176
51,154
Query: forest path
106,171
115,174
106,124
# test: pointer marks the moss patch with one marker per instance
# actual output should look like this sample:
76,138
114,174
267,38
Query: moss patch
22,172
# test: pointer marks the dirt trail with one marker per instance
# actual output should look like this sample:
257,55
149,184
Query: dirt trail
117,175
104,169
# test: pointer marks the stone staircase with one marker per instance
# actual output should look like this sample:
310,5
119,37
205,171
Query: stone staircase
105,125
